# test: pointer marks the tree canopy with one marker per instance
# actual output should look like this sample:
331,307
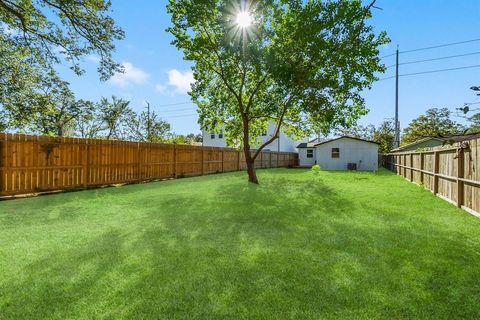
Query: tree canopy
436,121
35,35
295,63
52,30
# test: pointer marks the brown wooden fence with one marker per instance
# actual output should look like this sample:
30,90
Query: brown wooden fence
450,172
32,164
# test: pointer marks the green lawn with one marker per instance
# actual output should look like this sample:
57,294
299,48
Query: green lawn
336,245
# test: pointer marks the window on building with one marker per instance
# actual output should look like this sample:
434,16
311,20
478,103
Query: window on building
220,135
335,153
309,153
212,135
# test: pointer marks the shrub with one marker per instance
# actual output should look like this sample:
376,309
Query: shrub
316,168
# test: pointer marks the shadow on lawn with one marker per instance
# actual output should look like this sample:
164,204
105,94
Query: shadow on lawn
286,248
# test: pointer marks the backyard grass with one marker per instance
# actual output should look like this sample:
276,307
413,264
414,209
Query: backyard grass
336,245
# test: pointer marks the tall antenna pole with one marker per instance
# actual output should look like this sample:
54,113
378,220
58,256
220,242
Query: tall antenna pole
397,122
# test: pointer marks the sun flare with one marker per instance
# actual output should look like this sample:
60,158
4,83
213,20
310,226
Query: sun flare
244,20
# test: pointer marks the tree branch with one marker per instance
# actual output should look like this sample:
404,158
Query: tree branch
277,130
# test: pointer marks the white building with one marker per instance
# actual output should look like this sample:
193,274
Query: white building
284,143
344,153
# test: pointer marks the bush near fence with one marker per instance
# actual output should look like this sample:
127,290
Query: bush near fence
32,164
451,172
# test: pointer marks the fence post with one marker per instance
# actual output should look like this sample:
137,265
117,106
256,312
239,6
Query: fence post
223,159
175,160
85,163
139,165
460,175
436,162
238,162
422,166
203,161
278,159
270,160
411,167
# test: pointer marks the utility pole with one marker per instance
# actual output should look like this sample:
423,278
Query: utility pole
397,122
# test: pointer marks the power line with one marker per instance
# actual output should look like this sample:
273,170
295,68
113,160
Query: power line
441,46
434,59
432,47
174,104
431,71
175,110
182,115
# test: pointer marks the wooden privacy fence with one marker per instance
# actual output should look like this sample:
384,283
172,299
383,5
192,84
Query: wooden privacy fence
450,172
31,164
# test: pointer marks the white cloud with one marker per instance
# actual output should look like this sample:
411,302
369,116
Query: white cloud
93,58
160,88
181,80
131,75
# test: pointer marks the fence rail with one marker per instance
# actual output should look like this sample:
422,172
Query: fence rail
450,172
32,164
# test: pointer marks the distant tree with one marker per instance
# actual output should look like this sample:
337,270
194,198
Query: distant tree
434,122
468,109
358,131
474,122
88,123
190,138
55,108
295,63
385,135
149,128
49,31
115,116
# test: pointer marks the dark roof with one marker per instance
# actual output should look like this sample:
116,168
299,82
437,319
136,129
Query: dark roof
348,137
314,144
307,145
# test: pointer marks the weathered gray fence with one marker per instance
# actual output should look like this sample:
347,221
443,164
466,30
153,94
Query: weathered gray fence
451,172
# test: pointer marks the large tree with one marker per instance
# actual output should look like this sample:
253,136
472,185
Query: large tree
52,30
295,63
35,35
436,121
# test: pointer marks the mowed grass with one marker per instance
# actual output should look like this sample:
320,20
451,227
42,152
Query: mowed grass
336,245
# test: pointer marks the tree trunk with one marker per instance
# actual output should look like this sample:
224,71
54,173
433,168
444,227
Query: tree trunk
252,175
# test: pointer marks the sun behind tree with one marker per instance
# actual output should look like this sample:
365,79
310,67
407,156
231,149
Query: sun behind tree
296,64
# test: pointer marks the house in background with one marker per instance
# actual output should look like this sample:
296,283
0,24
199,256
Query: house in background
343,153
436,141
284,143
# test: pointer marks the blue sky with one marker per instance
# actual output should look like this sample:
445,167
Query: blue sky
157,73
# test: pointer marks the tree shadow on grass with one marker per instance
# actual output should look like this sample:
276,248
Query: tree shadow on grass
63,283
284,249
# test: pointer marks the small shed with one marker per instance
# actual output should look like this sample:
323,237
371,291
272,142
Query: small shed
343,153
